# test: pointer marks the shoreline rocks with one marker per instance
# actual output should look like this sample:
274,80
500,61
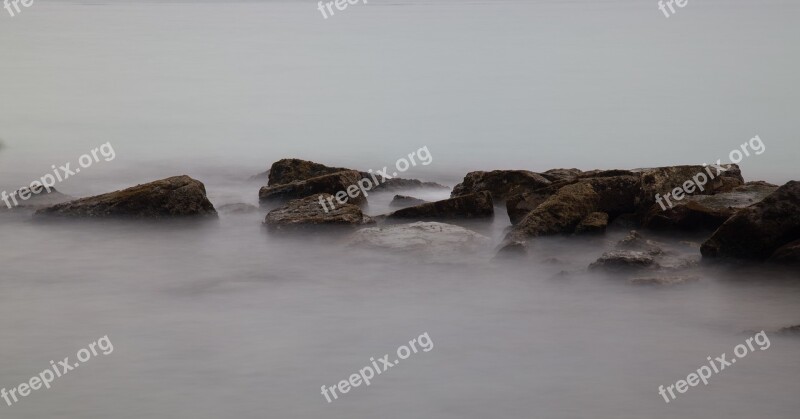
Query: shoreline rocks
178,196
305,213
472,206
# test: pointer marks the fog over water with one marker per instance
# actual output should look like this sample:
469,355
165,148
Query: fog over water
223,319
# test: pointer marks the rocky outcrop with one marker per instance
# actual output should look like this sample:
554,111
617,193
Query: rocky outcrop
179,196
402,201
336,184
500,183
426,239
756,232
561,175
476,205
290,170
562,212
594,223
706,212
664,180
308,213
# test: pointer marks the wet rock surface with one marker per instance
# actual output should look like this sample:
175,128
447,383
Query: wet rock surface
758,231
333,184
477,205
307,213
500,183
402,201
179,196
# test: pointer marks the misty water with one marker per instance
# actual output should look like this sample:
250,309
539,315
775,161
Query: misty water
223,319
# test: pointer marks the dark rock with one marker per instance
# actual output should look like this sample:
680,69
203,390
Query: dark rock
307,213
397,183
179,196
756,232
663,180
403,201
621,260
560,175
788,254
500,183
706,212
635,241
336,183
477,205
290,170
594,223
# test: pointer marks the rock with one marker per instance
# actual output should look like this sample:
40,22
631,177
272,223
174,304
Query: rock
424,238
290,170
39,198
663,180
521,204
403,201
756,232
635,241
307,213
397,183
706,212
621,260
594,223
333,184
788,254
789,330
500,183
477,205
237,209
560,175
562,212
663,280
179,196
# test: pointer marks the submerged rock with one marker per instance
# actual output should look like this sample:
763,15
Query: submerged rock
425,238
179,196
238,208
477,205
621,260
756,232
333,184
308,213
403,201
635,241
663,280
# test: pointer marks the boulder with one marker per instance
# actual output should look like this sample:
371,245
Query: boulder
788,254
624,260
663,181
290,170
563,211
500,183
756,232
333,184
706,212
179,196
402,201
476,205
635,241
307,213
594,223
423,238
561,175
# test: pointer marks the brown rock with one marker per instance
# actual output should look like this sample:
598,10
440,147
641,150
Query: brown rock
756,232
788,254
289,170
621,260
402,201
477,205
500,183
179,196
307,213
594,223
333,184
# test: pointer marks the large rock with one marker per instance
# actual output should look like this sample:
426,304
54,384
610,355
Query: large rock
706,212
332,184
664,180
622,260
179,196
305,213
423,238
290,170
562,212
500,183
476,205
756,232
